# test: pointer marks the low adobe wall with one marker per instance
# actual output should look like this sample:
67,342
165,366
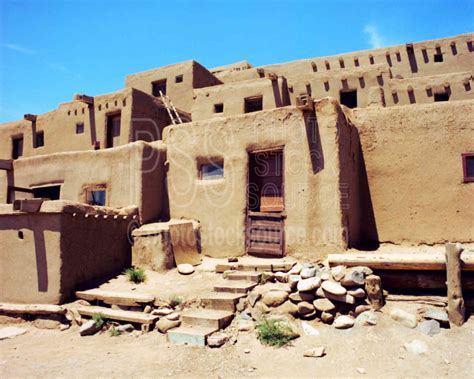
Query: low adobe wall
46,256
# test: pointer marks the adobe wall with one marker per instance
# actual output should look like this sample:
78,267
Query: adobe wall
274,93
46,256
413,160
133,175
311,171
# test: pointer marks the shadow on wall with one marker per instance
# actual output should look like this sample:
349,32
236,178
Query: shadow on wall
314,142
282,98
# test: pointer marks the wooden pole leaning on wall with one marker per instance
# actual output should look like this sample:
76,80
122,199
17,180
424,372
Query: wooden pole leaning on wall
456,308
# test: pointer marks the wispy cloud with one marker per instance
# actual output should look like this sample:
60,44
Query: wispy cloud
59,66
19,48
375,38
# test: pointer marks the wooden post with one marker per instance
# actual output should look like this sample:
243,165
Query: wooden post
373,287
456,308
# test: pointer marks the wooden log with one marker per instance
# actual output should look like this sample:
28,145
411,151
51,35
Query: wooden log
6,164
118,315
373,287
396,261
117,298
456,309
437,301
32,309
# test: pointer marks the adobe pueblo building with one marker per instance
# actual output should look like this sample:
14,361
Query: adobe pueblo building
298,159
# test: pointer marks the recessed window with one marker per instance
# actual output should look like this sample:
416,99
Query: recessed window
468,167
349,98
39,139
438,57
113,130
79,128
442,96
211,171
218,108
96,196
356,62
371,59
159,87
253,104
178,78
314,67
47,192
341,63
17,147
328,66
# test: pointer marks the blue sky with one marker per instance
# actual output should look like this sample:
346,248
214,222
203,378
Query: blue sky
50,50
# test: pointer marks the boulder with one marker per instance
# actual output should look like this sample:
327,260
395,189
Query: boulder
185,268
416,347
126,328
338,272
367,318
327,317
295,297
324,305
162,312
353,278
315,352
259,310
245,326
429,327
404,318
343,322
89,328
163,325
333,288
173,316
296,269
253,298
320,293
293,281
274,298
308,272
364,269
281,277
436,314
357,293
287,308
348,299
217,339
305,308
308,284
307,295
362,308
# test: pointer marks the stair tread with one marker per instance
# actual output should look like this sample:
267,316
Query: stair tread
211,314
237,284
223,295
195,330
116,314
117,298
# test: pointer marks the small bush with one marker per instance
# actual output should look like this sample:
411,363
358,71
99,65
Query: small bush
114,332
135,275
99,319
176,300
274,333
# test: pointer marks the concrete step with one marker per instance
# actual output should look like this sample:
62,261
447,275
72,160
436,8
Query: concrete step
208,318
186,335
235,286
130,299
251,276
224,301
257,266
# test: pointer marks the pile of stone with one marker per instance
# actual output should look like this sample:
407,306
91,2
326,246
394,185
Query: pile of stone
335,295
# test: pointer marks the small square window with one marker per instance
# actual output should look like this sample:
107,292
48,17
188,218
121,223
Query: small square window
468,167
253,104
79,128
211,171
179,78
443,96
39,139
159,86
96,196
218,108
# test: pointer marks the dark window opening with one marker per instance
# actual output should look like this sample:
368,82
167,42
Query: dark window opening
356,62
438,57
39,139
468,167
315,68
253,104
349,98
218,108
328,66
79,128
113,130
96,197
49,192
17,147
211,171
159,86
443,96
20,235
371,59
178,79
341,63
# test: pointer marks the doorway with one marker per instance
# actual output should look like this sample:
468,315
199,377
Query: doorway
265,203
113,130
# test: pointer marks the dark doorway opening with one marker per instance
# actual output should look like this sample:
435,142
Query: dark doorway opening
48,192
443,96
253,104
113,130
159,86
349,98
17,147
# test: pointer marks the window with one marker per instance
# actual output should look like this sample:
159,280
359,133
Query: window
17,147
468,167
96,196
253,104
113,130
443,96
328,66
159,86
315,68
211,171
218,108
47,192
79,128
356,62
349,98
341,63
39,139
438,57
178,79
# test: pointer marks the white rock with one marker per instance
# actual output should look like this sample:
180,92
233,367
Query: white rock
163,325
404,318
324,305
367,318
360,370
416,347
281,277
126,328
358,293
293,281
308,284
11,331
309,330
338,272
343,322
274,298
429,327
308,272
162,312
185,268
315,352
346,298
173,316
296,269
217,340
247,351
333,288
89,328
436,314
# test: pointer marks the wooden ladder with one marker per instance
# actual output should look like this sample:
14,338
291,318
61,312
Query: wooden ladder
172,112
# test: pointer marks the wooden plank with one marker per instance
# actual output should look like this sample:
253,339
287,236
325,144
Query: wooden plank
33,309
387,261
456,309
265,236
119,315
6,164
184,244
129,299
264,251
438,301
264,245
279,215
264,224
